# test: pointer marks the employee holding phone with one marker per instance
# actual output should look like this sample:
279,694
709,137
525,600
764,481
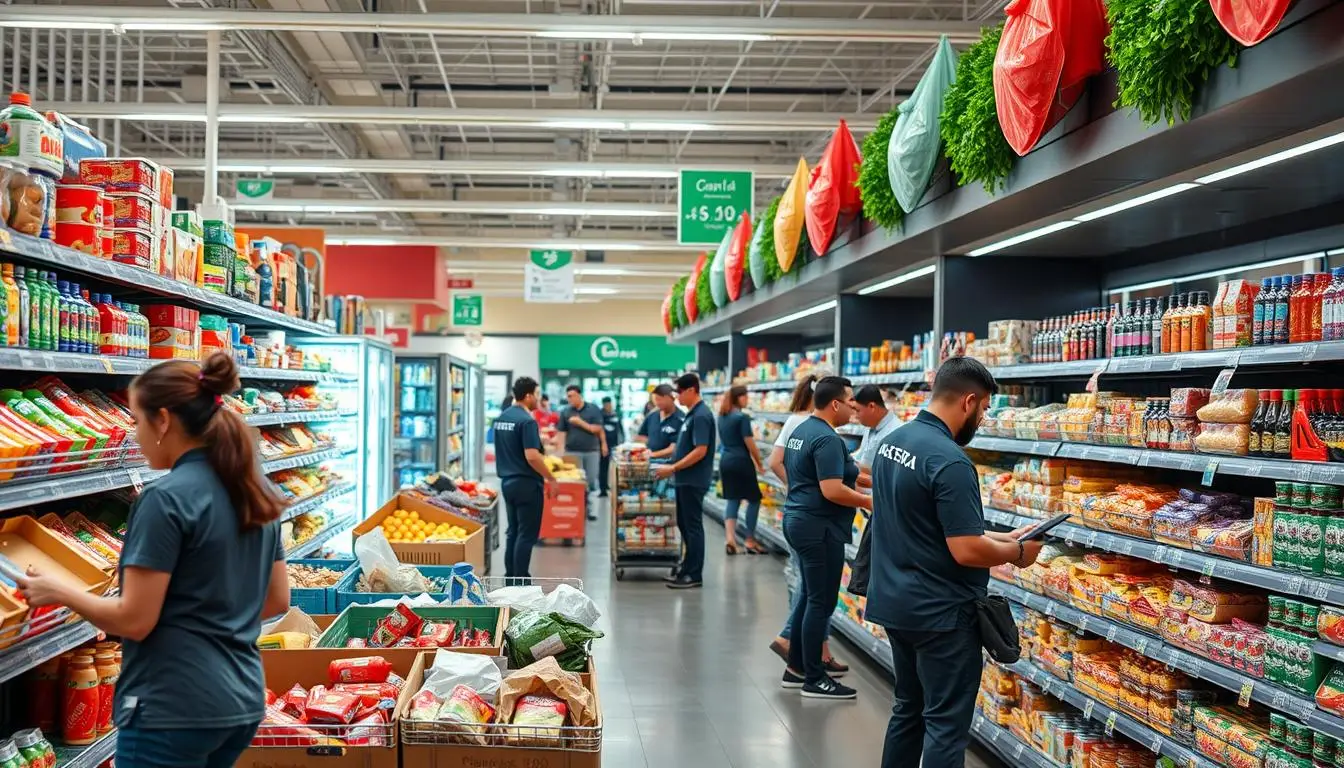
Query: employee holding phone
930,561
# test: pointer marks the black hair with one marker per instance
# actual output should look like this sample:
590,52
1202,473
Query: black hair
869,394
959,376
688,381
606,401
545,398
524,386
663,389
573,388
506,403
828,390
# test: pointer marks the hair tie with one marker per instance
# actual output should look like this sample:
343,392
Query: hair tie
200,376
813,385
219,400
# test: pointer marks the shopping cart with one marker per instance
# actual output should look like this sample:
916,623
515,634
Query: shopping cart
644,531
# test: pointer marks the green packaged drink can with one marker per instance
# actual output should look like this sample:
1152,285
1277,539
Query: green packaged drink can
1275,610
1278,725
1292,613
1301,495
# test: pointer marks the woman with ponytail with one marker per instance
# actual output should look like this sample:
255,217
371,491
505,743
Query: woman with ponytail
201,565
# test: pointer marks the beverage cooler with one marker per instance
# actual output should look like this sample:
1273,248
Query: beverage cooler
364,395
465,422
422,424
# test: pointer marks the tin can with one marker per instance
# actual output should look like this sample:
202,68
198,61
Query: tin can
79,204
80,236
1301,495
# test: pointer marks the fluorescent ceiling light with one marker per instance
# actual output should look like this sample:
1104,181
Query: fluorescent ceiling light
638,37
586,125
1137,201
1049,229
1220,272
1287,154
719,339
663,125
596,290
897,280
800,314
512,241
480,207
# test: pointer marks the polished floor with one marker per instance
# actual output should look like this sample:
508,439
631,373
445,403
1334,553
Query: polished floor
686,679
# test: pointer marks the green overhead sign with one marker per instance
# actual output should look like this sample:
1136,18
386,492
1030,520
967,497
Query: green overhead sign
468,309
709,203
613,353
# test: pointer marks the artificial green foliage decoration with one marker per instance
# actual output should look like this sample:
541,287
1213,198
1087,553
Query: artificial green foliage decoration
679,302
879,201
704,297
969,123
1163,52
772,268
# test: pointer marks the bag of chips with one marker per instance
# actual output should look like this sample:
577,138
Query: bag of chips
756,254
543,716
832,191
466,715
788,221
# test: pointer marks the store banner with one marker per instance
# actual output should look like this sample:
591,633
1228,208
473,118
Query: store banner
256,189
612,353
468,310
709,203
549,277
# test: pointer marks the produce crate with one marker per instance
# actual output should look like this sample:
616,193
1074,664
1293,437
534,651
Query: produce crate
318,600
470,550
346,595
359,621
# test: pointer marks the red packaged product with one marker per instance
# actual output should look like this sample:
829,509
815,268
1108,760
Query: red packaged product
365,669
294,700
482,638
270,697
279,729
831,191
369,693
401,622
128,174
314,693
332,708
356,642
131,246
132,211
435,636
394,679
368,731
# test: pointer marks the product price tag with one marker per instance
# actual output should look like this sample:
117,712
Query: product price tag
28,362
1111,632
1318,590
1127,547
137,482
1145,459
1177,556
1309,352
1092,539
1209,470
1294,585
326,751
1087,709
1050,609
1017,751
1278,701
1083,621
1110,723
994,737
1154,743
1224,378
1160,555
1209,566
1302,473
1244,697
107,364
1191,761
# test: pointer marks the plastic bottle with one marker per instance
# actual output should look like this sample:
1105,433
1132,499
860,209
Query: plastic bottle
29,137
53,310
106,335
79,321
1155,333
1271,420
1182,324
127,341
79,705
1170,331
11,307
1258,312
1332,307
1258,424
1201,319
1297,313
91,323
105,664
64,323
24,309
1320,284
1281,286
1283,427
139,325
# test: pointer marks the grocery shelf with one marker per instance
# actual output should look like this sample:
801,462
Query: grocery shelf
91,756
877,648
303,459
1008,747
1300,706
772,415
17,495
316,502
15,359
335,527
897,377
1284,582
1113,718
295,417
69,260
1244,466
27,654
1278,354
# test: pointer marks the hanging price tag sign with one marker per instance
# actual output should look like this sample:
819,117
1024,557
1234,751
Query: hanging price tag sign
1209,470
1155,743
1142,646
1209,565
1110,723
1096,376
1111,633
1087,710
1220,383
1244,697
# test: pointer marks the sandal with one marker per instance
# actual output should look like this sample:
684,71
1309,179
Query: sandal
755,547
730,548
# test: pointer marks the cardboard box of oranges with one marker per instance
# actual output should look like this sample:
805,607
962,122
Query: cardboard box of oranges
424,534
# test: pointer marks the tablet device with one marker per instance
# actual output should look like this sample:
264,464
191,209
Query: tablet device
1040,529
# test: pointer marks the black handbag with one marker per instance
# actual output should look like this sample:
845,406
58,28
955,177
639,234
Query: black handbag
998,631
861,569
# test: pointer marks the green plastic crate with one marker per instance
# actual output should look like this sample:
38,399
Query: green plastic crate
359,621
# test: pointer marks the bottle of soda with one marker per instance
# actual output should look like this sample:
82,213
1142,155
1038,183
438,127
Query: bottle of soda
1282,285
1258,312
1258,424
63,323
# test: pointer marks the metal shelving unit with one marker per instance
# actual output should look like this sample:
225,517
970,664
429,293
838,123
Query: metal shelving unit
335,527
316,502
295,417
877,648
1008,747
27,654
91,756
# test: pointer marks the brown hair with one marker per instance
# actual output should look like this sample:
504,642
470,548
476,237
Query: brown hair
802,394
193,394
730,398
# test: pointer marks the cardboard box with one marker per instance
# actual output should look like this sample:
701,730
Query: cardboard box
26,542
416,753
471,550
282,670
564,514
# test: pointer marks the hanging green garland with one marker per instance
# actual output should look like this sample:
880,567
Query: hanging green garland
970,124
679,302
704,299
879,201
772,269
1163,52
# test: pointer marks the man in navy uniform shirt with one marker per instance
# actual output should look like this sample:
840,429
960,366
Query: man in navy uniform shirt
693,465
661,426
522,474
931,558
611,424
585,440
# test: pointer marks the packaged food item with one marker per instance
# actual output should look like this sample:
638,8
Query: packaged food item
86,238
434,635
1186,401
121,174
466,715
366,669
356,642
424,707
294,700
35,749
27,137
132,246
133,211
331,707
370,694
1233,406
79,204
79,708
77,144
1227,439
48,204
369,730
401,622
284,641
27,201
281,729
543,715
1330,695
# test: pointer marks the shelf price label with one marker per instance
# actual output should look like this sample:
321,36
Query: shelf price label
1244,696
1087,709
1209,470
1110,723
1111,633
709,204
1224,378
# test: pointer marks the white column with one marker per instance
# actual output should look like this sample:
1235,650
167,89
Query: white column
212,118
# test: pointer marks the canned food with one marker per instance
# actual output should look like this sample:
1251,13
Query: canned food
79,236
78,204
132,210
1301,495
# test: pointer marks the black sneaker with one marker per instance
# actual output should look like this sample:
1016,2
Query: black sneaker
671,577
685,582
828,689
791,679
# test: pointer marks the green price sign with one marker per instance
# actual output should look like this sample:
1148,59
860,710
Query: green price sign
256,189
709,203
468,309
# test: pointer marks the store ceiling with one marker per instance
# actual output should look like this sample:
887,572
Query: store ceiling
527,124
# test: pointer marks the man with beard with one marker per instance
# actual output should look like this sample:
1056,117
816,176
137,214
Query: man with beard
931,558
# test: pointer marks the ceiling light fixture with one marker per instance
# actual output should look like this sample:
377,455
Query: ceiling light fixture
1048,229
897,280
638,37
719,339
1137,201
510,241
1277,157
335,207
800,314
1303,259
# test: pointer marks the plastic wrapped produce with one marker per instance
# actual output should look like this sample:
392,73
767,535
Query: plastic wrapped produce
1225,537
1233,406
1226,439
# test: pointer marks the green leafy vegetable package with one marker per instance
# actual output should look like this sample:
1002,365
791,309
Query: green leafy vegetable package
534,636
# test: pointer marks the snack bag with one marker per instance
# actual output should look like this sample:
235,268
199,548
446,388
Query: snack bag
370,694
534,636
366,669
400,623
718,278
279,729
544,716
788,221
368,730
667,312
733,272
294,700
464,587
467,714
332,707
424,707
756,254
693,309
832,193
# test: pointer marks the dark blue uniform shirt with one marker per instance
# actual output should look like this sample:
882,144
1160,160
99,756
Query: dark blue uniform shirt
661,431
925,490
734,431
611,422
815,452
697,429
515,432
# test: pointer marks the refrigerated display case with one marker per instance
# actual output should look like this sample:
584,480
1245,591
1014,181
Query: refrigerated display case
420,428
466,412
365,390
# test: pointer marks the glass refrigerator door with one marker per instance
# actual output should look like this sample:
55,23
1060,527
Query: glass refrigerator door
455,396
417,440
377,452
474,459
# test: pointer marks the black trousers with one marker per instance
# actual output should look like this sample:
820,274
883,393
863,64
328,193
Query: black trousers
604,479
523,502
691,522
821,554
937,675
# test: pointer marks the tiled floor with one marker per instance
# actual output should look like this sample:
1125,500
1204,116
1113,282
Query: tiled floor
686,679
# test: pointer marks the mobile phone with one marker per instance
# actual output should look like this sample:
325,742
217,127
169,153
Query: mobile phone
1040,529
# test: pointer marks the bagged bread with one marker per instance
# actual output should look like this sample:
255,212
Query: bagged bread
1233,406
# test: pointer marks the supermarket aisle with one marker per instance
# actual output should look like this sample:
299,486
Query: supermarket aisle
686,680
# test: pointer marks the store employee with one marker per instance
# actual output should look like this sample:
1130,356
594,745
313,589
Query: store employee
930,564
660,427
611,424
693,466
522,474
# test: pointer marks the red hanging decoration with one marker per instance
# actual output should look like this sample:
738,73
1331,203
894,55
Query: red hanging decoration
1250,21
693,309
737,257
667,312
833,191
1048,51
